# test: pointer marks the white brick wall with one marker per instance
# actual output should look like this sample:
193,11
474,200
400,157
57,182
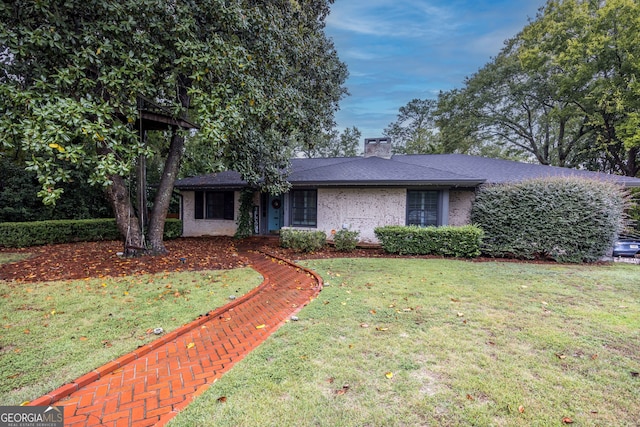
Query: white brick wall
360,209
192,227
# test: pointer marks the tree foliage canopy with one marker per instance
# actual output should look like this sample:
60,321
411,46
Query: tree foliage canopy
414,130
332,144
250,75
563,92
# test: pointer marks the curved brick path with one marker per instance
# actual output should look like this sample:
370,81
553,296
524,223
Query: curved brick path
152,384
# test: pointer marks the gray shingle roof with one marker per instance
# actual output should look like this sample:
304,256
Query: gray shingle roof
502,171
374,171
405,170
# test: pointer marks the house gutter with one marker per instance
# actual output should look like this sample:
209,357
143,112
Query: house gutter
443,183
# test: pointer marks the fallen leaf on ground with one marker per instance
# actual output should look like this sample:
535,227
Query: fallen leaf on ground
381,329
222,399
561,356
191,345
469,397
364,325
343,390
521,409
389,375
567,420
260,326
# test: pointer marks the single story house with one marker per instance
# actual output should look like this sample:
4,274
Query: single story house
360,193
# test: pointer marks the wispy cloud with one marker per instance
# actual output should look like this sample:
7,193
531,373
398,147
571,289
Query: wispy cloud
397,50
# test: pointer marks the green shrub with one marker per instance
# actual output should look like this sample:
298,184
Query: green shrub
245,222
568,220
172,228
445,241
346,240
301,240
23,234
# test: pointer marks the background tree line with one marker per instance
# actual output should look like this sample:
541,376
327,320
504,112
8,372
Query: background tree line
565,91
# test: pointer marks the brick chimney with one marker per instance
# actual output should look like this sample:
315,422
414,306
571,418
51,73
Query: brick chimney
378,147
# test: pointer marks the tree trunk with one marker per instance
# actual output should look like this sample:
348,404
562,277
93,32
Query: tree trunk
163,195
632,162
126,219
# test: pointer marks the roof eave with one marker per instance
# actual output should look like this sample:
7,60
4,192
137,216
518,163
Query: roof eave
410,183
196,187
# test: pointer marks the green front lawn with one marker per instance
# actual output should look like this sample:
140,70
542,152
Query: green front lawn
52,333
436,342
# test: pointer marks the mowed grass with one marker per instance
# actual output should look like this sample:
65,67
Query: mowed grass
52,333
7,257
411,342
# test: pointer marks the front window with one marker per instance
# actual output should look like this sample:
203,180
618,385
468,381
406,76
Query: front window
304,208
214,205
422,208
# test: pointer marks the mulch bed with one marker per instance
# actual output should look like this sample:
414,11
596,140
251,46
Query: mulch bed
100,259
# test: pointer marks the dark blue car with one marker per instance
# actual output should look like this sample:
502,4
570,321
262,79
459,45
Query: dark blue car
626,247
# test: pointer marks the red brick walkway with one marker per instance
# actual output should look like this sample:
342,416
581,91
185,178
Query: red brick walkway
152,384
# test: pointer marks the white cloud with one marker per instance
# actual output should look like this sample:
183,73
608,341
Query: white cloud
391,18
397,50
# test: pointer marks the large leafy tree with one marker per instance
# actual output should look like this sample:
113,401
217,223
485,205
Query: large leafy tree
414,131
591,51
74,76
516,111
563,92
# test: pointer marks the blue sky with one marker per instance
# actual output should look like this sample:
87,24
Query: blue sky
398,50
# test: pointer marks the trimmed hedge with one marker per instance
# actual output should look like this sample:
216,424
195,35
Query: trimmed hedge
445,241
24,234
565,219
301,240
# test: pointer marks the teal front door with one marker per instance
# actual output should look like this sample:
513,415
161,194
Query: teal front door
275,214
